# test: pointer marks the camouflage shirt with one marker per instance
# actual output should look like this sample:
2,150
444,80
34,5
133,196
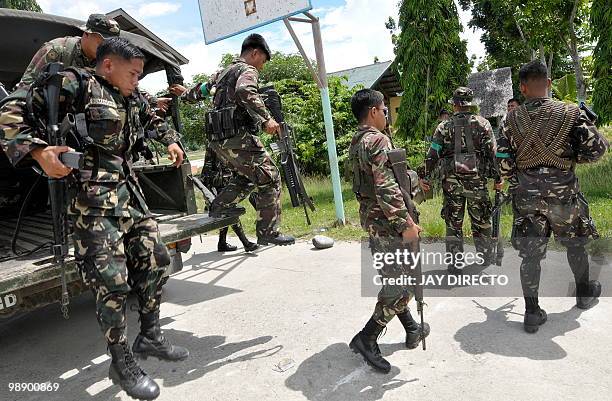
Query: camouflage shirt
382,209
443,148
585,144
113,123
66,50
244,93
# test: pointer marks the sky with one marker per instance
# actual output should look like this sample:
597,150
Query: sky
353,31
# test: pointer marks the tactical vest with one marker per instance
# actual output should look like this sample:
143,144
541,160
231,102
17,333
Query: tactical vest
228,118
539,141
363,184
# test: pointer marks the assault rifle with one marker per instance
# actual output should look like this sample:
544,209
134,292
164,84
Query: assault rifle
286,148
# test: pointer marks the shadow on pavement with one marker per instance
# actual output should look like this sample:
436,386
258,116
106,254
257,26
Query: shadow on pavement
498,335
336,373
42,347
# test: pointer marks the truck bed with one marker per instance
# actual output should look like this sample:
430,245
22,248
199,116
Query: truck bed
36,230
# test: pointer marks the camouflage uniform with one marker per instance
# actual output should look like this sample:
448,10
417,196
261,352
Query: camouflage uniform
245,154
116,240
546,194
382,211
66,50
461,188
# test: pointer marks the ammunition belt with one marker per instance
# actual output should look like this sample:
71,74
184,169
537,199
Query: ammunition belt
539,140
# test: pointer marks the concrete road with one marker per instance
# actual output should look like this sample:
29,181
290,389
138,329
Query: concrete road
275,326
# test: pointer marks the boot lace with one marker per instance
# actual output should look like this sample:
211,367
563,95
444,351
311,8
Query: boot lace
130,362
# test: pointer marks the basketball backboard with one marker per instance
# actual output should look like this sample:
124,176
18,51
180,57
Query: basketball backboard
224,18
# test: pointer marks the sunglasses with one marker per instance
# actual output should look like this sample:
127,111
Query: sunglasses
385,110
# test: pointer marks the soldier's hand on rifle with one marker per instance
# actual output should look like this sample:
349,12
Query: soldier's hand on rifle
163,103
498,186
48,159
411,234
271,127
175,154
424,185
177,89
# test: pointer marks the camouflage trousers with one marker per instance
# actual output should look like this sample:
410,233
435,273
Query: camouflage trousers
114,254
479,207
535,219
254,170
392,299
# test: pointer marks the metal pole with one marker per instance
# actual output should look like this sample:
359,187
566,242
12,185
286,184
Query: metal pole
315,76
329,123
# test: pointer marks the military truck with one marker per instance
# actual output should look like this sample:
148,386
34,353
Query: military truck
29,278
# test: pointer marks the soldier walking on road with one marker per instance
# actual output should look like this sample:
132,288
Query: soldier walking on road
238,115
465,145
538,150
384,216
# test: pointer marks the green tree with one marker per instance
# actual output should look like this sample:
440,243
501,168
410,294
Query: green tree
601,17
517,31
281,66
302,109
192,117
27,5
431,59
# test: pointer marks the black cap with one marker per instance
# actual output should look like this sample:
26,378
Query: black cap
100,23
255,40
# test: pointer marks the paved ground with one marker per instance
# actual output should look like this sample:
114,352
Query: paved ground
275,326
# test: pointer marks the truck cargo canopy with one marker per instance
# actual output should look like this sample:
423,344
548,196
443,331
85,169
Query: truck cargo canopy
22,33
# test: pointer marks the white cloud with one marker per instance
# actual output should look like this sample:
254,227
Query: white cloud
157,9
474,45
202,59
353,33
81,9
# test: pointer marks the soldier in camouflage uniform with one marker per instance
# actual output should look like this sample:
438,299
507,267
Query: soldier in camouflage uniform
72,51
117,242
465,145
237,87
541,143
385,217
215,175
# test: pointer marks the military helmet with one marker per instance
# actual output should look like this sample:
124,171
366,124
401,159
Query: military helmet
100,23
463,96
257,41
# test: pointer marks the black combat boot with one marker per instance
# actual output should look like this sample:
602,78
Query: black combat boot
365,343
125,372
534,315
222,245
276,239
587,291
587,294
151,342
413,330
248,245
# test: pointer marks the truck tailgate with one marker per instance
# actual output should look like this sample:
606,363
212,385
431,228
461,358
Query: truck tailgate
39,271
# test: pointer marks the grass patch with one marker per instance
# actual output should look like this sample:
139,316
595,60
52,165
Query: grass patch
595,180
324,218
